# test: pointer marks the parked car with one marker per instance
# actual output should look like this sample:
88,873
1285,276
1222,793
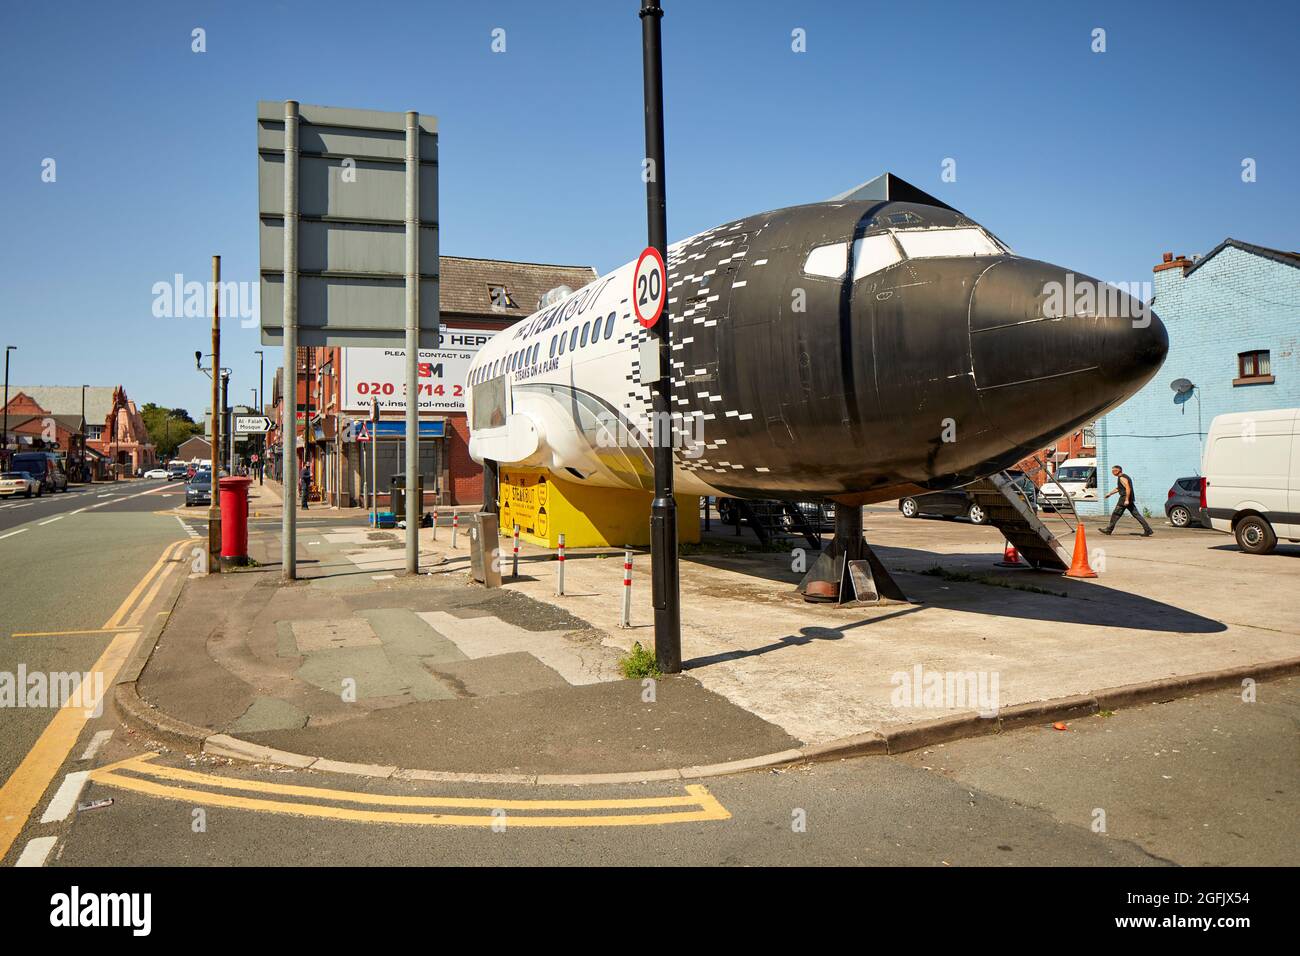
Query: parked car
954,503
198,490
178,469
44,467
1075,481
1183,504
19,483
1251,483
157,473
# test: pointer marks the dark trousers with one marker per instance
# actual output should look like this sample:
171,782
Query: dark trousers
1131,508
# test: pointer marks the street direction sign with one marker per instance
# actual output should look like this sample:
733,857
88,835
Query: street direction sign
252,424
649,288
351,225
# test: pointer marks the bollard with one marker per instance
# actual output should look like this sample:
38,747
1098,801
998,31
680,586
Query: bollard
627,589
435,524
559,571
455,526
514,557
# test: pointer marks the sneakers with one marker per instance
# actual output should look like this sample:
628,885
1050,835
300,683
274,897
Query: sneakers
1106,531
1147,534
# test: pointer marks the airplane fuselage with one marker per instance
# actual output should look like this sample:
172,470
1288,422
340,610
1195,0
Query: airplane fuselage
855,350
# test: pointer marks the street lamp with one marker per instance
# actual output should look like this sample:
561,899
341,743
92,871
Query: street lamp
8,349
261,441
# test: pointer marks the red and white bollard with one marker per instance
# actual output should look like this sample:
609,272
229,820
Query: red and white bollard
514,556
455,526
627,590
559,570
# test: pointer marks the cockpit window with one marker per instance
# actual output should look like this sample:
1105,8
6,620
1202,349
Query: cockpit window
873,253
829,261
935,243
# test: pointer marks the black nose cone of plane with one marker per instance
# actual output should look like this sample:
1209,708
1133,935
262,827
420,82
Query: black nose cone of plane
1052,349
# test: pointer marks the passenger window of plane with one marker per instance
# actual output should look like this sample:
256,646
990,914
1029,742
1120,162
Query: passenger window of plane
586,327
563,341
873,253
828,261
595,328
552,346
573,339
609,326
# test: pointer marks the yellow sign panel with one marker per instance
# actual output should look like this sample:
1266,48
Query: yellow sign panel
545,507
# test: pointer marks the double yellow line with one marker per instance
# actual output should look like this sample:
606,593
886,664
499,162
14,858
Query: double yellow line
141,775
24,789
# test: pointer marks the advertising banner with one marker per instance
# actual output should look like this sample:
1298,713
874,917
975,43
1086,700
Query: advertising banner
372,374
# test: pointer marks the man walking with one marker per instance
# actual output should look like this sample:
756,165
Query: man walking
1127,502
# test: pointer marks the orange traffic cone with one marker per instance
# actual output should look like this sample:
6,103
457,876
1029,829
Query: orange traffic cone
1010,557
1079,567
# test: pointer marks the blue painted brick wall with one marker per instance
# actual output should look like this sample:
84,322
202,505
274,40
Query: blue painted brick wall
1235,302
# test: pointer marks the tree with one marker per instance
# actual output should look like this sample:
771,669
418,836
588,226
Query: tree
168,427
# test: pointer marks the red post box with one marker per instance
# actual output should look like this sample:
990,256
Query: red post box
234,521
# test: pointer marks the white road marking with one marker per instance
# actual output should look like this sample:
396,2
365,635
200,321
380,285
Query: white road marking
51,520
96,742
65,800
77,512
12,533
36,851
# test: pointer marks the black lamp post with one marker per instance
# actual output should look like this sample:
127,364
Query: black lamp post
8,349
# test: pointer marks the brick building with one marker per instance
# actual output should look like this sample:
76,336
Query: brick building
334,387
112,430
1233,317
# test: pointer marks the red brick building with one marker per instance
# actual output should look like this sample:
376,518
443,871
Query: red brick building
111,432
334,387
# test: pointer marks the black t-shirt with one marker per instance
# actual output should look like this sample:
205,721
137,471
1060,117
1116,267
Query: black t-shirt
1121,480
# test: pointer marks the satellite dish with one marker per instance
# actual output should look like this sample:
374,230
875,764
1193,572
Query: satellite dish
1182,385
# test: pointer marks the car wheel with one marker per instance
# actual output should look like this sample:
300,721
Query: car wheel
1255,535
29,492
976,515
40,490
909,508
1179,516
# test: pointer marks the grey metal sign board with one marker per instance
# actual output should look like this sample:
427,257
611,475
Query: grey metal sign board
351,239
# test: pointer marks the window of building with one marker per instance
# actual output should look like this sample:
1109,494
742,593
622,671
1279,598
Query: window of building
1254,368
501,298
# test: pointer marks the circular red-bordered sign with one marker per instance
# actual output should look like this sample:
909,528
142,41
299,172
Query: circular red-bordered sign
649,287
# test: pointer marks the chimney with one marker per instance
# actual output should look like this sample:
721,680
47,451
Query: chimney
1170,261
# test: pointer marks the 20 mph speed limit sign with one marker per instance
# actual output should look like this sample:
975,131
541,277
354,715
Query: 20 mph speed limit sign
649,287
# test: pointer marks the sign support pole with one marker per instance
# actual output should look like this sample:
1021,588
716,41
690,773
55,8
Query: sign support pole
214,504
663,511
414,499
289,426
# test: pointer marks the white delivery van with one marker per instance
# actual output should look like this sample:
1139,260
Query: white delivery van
1251,483
1075,479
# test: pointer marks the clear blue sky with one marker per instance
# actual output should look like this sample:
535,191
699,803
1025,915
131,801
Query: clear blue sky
1098,162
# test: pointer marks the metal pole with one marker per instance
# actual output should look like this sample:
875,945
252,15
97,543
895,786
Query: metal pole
514,555
559,567
261,410
665,589
227,442
374,463
5,436
627,589
214,498
308,433
289,425
414,498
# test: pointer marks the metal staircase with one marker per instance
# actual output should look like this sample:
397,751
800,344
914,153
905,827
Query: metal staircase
1011,512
